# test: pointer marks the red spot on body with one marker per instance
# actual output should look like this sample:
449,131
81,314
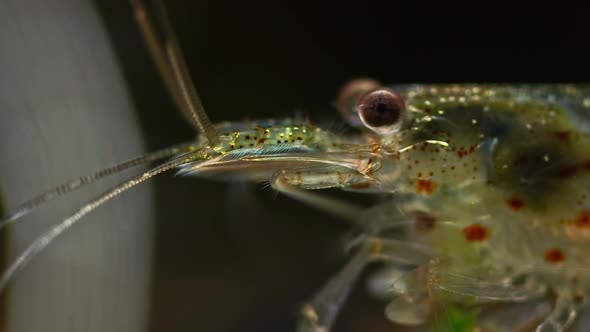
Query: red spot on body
583,219
476,233
563,136
261,141
515,203
424,222
554,256
425,187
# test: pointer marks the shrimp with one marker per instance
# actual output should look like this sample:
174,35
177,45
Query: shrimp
482,190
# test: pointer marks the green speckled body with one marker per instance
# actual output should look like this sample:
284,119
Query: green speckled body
264,137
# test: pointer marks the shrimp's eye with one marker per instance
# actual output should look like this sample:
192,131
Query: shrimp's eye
349,96
382,110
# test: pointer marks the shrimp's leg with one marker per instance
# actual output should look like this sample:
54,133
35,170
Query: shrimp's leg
562,316
297,183
320,313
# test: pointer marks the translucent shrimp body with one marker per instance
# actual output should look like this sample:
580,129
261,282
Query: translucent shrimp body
482,191
485,186
498,179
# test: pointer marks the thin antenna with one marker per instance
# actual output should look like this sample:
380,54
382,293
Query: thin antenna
172,67
159,56
46,238
30,205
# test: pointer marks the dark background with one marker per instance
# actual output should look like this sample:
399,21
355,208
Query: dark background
235,258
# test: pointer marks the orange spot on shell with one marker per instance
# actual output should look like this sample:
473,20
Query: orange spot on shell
554,256
426,187
583,219
515,203
476,233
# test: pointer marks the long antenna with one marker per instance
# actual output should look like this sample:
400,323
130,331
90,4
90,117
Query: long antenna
64,188
172,67
46,238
